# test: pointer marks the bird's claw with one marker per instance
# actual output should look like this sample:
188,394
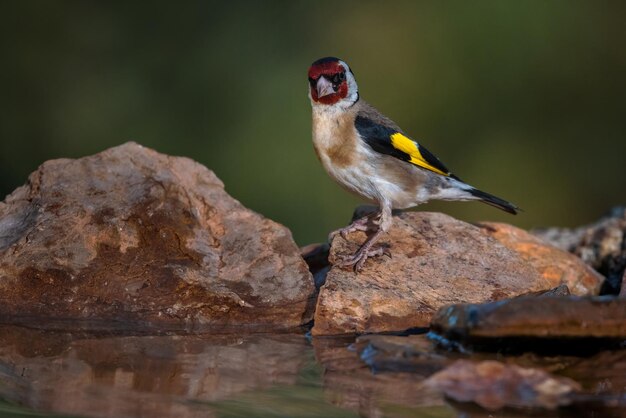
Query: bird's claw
344,232
357,261
358,225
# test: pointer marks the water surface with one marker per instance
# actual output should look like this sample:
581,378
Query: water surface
62,374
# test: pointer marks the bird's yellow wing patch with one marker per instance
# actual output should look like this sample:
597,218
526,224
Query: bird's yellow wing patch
390,141
410,147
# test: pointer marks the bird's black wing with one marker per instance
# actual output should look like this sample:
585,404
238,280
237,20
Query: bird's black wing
390,141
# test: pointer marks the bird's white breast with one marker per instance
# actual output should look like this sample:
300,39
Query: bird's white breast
344,156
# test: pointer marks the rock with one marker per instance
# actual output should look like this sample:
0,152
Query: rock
133,239
437,261
602,245
316,257
411,354
535,323
560,290
555,265
421,355
494,385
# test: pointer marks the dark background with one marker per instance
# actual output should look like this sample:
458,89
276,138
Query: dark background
526,100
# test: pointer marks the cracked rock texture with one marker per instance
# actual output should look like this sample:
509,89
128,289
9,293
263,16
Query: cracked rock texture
601,244
555,265
438,261
130,238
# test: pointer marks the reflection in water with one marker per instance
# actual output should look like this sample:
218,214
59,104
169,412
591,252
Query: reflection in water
199,376
140,376
349,383
246,376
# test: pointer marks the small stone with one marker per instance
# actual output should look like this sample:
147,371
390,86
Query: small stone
560,290
494,385
413,354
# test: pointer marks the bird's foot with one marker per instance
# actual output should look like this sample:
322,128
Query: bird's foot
357,260
360,224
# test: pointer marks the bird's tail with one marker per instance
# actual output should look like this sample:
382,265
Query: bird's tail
494,201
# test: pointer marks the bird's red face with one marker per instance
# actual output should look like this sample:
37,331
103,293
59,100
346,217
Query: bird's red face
328,81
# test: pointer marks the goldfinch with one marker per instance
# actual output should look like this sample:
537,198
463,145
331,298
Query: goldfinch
368,154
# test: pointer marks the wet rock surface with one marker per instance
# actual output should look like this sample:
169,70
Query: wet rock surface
95,375
522,384
411,370
388,353
555,323
422,353
438,261
494,385
130,238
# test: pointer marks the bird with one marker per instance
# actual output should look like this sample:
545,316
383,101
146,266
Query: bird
369,155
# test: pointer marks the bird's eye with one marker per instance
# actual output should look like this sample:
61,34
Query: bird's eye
338,78
311,80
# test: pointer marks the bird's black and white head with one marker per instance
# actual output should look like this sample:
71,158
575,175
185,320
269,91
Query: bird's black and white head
332,84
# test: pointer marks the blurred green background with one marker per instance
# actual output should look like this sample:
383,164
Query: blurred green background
526,100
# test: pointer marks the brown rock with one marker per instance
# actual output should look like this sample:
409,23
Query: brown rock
316,257
560,290
562,317
554,264
131,238
601,244
412,353
494,385
437,261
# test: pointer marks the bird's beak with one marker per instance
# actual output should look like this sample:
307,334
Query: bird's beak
324,87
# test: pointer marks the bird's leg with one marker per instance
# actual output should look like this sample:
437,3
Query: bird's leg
358,259
361,224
